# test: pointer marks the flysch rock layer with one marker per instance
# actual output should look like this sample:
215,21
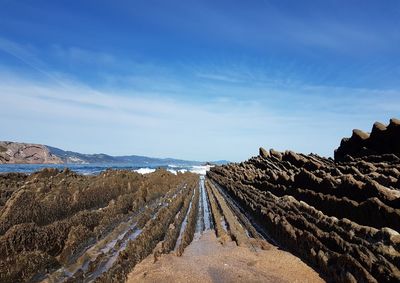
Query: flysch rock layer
382,140
341,217
59,226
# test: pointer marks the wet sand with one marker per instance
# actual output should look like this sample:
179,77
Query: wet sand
207,260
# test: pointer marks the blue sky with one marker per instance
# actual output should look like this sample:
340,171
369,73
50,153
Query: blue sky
200,80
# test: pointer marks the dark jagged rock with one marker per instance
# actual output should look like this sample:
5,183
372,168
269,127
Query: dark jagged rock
50,217
343,218
263,153
275,154
382,140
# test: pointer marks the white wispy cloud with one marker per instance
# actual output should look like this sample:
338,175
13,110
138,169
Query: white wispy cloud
81,55
226,114
164,123
26,55
152,124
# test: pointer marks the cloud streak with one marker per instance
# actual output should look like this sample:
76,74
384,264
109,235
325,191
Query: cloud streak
121,122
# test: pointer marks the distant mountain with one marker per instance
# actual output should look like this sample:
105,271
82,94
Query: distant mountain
75,157
13,152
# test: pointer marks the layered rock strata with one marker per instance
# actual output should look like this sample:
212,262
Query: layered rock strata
60,226
382,140
343,218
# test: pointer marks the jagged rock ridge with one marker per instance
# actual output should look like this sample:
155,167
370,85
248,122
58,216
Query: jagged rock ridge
382,140
341,217
90,224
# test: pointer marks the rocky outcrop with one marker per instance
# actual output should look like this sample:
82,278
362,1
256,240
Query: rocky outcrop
50,218
382,140
343,218
25,153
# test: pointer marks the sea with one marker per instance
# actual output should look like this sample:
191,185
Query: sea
94,169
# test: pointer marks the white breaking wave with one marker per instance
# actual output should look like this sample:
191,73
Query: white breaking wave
201,170
177,171
172,171
145,170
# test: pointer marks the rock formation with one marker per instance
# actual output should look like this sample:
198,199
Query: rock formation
91,224
382,140
12,152
341,217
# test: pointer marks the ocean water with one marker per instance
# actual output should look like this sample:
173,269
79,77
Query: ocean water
93,169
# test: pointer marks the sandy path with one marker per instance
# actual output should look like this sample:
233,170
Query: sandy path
206,260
